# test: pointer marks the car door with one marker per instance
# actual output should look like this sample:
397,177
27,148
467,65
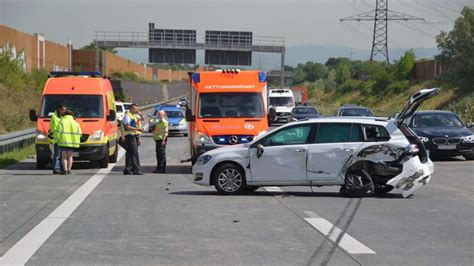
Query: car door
284,155
333,145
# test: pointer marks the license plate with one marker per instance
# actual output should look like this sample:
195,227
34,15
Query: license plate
75,154
447,147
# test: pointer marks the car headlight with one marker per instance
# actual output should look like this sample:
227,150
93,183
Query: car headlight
203,159
468,139
182,122
202,139
424,139
98,135
40,136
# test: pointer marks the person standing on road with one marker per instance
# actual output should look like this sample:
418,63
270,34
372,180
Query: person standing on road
132,132
160,135
55,121
68,136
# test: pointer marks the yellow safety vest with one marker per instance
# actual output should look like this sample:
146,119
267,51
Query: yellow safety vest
134,123
68,133
160,130
53,125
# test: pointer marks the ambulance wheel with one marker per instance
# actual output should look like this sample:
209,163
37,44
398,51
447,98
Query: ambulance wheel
113,158
104,163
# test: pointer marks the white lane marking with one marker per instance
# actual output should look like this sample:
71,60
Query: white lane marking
24,249
273,189
336,235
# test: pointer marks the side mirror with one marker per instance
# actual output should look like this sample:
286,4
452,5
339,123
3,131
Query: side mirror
469,125
260,150
272,114
112,115
189,116
33,115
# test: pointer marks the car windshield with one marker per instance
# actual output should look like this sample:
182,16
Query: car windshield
127,106
281,101
174,114
230,105
119,108
304,111
356,112
83,106
436,120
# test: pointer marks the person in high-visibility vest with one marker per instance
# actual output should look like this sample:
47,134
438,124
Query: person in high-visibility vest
160,135
68,136
56,153
131,133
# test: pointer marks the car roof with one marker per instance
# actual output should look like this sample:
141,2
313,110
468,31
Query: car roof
342,119
168,108
353,107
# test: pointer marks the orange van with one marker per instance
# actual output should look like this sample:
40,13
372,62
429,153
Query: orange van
225,107
91,98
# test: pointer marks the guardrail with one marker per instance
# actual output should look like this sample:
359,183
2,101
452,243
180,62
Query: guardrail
21,139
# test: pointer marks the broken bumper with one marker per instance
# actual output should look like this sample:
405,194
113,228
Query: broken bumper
415,174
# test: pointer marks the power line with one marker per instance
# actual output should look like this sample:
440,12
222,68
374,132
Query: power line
380,16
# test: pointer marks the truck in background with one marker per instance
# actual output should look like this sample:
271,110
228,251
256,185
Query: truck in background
300,94
225,107
280,102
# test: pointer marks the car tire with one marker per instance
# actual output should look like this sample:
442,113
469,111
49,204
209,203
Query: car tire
113,158
104,163
358,184
383,189
229,179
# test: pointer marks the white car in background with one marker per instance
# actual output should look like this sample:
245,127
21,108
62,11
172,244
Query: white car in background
362,155
120,110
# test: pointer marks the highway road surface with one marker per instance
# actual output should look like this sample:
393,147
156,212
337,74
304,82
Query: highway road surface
103,217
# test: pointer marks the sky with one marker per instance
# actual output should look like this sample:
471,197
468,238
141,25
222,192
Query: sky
300,22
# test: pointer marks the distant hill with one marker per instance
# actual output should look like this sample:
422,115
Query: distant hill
297,54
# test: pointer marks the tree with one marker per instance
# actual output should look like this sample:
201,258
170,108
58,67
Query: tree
298,76
343,72
92,47
314,71
457,49
332,62
404,67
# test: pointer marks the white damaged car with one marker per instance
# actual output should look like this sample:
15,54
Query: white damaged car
363,156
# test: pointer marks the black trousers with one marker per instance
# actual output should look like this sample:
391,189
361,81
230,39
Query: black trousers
132,161
160,150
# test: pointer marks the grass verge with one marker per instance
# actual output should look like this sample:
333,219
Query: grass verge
13,157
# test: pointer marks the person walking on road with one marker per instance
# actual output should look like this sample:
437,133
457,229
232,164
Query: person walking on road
132,131
160,135
68,136
55,121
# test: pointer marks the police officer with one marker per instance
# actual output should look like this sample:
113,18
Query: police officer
132,132
160,135
55,121
68,136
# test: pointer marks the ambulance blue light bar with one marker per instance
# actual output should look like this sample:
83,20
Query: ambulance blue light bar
93,74
262,77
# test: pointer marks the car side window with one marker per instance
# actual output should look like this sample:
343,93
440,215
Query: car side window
356,133
373,132
289,136
333,132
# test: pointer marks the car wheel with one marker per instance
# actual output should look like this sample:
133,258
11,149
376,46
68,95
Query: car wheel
383,189
229,179
469,156
357,184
